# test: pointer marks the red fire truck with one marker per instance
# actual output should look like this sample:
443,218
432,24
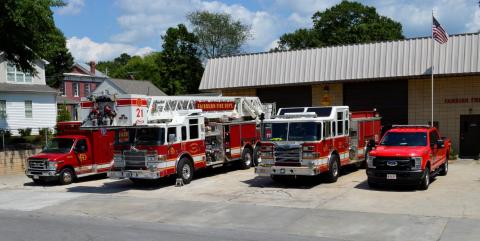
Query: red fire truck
176,135
308,141
72,153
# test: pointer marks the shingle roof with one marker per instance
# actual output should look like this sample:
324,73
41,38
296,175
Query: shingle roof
65,100
380,60
4,87
140,87
86,68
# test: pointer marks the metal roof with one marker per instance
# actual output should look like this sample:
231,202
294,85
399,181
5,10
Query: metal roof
403,58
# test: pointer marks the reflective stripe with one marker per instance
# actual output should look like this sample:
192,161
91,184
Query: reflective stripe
198,158
235,150
166,164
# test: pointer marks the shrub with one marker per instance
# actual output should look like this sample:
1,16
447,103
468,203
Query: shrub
25,132
63,114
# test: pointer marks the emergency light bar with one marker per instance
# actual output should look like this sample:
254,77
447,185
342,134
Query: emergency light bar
411,126
298,115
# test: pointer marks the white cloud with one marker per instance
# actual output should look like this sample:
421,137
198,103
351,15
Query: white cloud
142,20
84,49
474,25
73,7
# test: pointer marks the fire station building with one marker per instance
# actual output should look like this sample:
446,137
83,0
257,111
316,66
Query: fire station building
393,77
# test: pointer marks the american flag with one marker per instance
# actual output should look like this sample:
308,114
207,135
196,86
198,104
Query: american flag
438,33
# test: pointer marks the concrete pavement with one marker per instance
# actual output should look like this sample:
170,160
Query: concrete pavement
229,199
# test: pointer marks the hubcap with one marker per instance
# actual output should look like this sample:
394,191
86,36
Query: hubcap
446,166
427,178
248,159
67,177
335,169
186,172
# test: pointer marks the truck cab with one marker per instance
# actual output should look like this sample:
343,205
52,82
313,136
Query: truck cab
408,155
72,153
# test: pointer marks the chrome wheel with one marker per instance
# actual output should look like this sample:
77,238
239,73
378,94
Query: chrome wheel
248,159
335,169
186,171
427,179
67,177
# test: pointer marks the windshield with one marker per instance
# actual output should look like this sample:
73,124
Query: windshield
59,145
150,136
297,131
404,139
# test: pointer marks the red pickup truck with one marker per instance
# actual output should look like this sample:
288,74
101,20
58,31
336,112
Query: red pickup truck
72,153
408,155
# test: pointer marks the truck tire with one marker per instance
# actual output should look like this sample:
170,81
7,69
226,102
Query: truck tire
444,167
66,176
185,170
425,180
333,169
256,155
247,158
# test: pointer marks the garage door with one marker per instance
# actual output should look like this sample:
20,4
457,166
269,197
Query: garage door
291,96
390,98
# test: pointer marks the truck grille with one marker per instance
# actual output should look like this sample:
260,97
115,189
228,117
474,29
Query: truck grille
393,163
134,159
37,164
287,155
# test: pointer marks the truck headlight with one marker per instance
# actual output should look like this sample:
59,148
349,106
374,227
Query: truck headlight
52,166
370,161
416,163
267,155
310,155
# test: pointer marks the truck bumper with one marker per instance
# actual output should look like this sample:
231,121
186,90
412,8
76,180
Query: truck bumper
42,174
141,174
286,171
402,177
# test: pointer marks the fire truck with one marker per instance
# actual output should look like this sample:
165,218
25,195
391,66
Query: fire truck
159,136
307,141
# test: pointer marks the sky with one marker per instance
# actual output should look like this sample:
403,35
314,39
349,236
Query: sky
103,29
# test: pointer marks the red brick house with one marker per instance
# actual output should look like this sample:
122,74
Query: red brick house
80,82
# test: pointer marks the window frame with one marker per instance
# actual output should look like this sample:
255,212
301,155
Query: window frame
3,109
76,84
28,113
87,93
17,73
193,125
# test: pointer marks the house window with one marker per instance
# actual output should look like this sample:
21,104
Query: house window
28,109
3,109
17,76
86,89
75,90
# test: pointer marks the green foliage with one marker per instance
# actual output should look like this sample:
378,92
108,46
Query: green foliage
218,34
63,114
25,132
29,33
179,63
57,54
344,23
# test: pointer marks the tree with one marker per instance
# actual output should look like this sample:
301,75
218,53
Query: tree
300,39
26,26
57,54
63,114
344,23
218,34
179,63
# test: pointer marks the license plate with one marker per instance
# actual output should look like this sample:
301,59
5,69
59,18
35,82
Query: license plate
36,177
392,176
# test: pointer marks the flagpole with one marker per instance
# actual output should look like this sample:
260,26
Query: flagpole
433,53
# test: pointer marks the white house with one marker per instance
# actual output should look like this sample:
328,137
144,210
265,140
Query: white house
25,100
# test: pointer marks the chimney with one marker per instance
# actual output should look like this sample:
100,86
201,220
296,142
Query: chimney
93,66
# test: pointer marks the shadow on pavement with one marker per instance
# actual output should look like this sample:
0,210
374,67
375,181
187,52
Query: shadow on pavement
391,188
296,182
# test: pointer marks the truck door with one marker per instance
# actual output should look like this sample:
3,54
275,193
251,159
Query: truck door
84,156
433,146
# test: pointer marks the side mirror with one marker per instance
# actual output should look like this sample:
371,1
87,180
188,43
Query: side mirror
172,138
440,143
371,143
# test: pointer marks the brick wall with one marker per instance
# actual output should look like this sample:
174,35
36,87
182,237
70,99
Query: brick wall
334,93
447,114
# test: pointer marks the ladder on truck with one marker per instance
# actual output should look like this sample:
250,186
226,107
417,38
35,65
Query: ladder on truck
212,107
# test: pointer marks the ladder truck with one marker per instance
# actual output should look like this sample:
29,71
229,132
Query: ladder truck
160,136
